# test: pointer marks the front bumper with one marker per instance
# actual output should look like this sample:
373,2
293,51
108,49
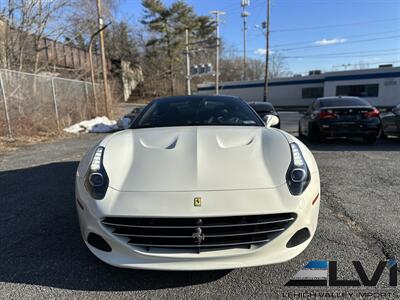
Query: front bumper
180,204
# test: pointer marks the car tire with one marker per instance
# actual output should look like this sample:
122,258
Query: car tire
369,139
314,134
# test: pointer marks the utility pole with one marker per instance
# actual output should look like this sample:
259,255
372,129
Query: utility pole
189,92
244,15
103,60
217,13
266,24
92,68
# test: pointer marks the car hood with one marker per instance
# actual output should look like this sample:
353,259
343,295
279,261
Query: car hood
196,158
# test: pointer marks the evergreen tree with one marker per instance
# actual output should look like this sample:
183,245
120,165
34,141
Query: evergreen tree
167,25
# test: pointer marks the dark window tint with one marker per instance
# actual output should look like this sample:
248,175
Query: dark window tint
313,92
330,102
359,90
197,111
262,107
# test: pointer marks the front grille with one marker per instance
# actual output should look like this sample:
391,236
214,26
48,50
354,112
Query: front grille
200,233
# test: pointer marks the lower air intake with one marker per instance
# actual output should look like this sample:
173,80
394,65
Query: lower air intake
200,233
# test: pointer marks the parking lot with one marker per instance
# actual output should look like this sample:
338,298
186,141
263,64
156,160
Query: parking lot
42,254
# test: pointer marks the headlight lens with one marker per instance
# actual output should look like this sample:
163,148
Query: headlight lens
298,175
96,163
96,179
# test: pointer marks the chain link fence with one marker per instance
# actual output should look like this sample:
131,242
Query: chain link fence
32,104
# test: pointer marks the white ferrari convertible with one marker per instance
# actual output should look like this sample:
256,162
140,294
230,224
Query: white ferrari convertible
198,183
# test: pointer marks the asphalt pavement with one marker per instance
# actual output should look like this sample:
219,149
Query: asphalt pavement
43,257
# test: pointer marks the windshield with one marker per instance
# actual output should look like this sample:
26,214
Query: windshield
343,102
197,111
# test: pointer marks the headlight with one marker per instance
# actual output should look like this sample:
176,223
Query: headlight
298,176
96,179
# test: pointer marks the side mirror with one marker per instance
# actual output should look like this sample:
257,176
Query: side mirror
271,120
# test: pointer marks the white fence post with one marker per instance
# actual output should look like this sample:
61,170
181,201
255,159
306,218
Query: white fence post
55,102
5,105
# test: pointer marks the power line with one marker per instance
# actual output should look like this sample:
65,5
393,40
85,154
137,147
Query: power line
374,63
375,52
339,56
343,37
334,25
334,68
351,42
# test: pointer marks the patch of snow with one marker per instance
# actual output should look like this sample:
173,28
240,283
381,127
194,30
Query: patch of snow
96,125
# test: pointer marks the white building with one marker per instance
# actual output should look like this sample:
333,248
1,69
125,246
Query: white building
380,86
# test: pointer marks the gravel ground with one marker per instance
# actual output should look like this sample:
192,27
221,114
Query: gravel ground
42,255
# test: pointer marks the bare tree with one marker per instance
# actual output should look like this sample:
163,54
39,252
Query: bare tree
278,66
81,20
27,22
231,66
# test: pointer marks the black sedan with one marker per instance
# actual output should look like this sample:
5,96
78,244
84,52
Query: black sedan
264,109
391,122
350,117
